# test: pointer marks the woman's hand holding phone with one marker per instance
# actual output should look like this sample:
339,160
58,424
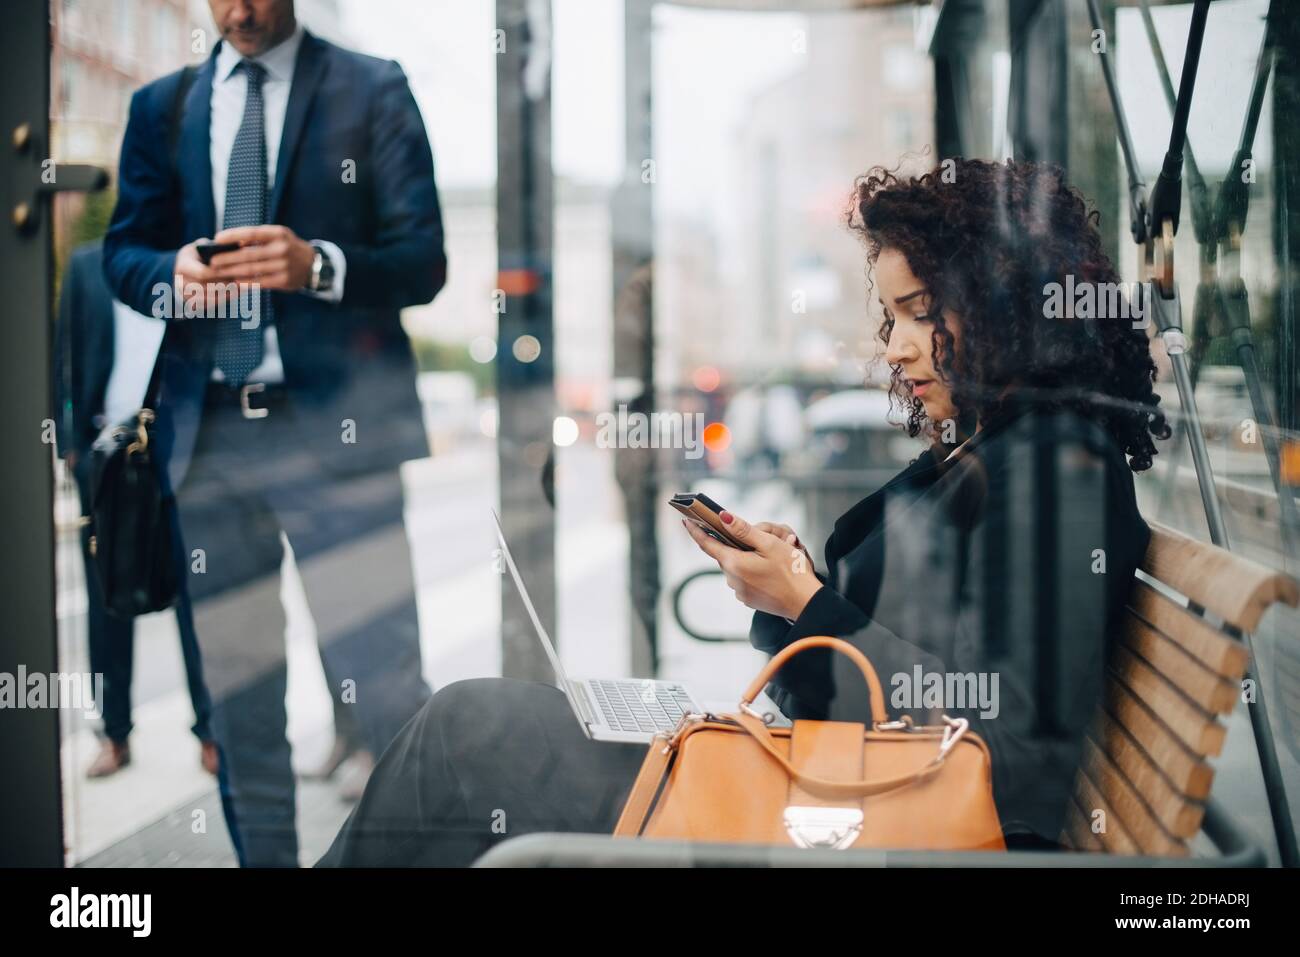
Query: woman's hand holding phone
777,577
785,533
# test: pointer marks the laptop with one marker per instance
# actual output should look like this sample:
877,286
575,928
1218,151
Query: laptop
609,709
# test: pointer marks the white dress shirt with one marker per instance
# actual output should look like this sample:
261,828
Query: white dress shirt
136,339
229,90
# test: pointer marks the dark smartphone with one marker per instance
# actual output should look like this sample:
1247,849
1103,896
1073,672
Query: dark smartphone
207,250
707,514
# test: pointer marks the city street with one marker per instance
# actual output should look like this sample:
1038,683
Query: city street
146,813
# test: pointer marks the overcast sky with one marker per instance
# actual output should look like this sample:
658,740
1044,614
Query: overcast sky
710,64
1233,33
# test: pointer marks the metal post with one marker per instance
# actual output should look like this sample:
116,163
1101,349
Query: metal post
31,815
1162,210
632,242
1169,320
525,340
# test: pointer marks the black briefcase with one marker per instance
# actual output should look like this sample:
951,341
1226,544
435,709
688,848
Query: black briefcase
130,521
131,532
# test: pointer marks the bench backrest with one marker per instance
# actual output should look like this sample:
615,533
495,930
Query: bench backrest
1176,667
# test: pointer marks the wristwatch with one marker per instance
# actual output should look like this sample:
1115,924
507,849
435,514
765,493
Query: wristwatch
322,271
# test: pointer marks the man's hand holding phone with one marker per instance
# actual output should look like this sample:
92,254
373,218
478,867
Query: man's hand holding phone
270,255
207,249
191,269
776,577
190,266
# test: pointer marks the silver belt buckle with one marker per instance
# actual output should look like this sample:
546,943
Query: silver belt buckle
247,389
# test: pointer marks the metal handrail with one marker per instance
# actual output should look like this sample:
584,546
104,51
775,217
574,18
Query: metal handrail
1236,847
1162,209
681,618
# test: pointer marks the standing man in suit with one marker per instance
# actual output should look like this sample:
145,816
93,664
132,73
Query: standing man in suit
96,383
293,416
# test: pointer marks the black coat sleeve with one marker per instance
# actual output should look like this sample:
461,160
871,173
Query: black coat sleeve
1001,584
1047,566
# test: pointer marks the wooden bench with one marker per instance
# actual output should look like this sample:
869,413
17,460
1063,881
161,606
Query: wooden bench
1176,667
1144,782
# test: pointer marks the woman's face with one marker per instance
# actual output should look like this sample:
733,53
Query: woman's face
910,346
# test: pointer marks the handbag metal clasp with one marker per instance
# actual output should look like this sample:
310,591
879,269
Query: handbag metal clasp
689,718
833,827
902,724
954,731
143,418
766,717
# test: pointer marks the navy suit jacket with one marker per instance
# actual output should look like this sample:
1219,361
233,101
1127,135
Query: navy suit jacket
346,362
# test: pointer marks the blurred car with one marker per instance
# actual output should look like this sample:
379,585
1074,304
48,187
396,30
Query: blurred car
766,425
451,407
855,445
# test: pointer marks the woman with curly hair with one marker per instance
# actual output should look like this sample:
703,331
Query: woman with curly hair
983,581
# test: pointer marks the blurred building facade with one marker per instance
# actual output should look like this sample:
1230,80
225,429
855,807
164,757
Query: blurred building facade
101,52
777,287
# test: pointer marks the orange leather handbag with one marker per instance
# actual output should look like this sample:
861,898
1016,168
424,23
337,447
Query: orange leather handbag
731,778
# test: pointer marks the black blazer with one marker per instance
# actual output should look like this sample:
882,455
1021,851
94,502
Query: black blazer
1011,564
83,350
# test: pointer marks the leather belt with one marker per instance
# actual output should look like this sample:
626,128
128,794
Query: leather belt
254,399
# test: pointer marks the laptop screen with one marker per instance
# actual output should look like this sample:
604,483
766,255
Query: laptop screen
528,604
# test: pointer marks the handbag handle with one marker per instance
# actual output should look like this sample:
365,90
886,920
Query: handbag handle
756,727
878,715
825,788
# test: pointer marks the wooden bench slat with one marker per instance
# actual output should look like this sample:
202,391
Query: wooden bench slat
1115,838
1184,769
1192,724
1124,801
1180,816
1288,666
1171,671
1221,654
1078,832
1178,667
1236,589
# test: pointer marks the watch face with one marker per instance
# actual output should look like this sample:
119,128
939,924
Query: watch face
324,273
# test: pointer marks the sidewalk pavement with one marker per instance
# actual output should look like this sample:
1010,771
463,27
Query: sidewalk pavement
163,810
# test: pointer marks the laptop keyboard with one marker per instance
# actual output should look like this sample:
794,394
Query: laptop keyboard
640,705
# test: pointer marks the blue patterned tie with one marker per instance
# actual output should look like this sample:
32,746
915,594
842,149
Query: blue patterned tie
239,350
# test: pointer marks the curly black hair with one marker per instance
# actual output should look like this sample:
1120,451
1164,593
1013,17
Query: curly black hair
986,239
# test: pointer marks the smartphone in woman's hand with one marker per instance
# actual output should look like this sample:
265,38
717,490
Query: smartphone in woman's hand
707,514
